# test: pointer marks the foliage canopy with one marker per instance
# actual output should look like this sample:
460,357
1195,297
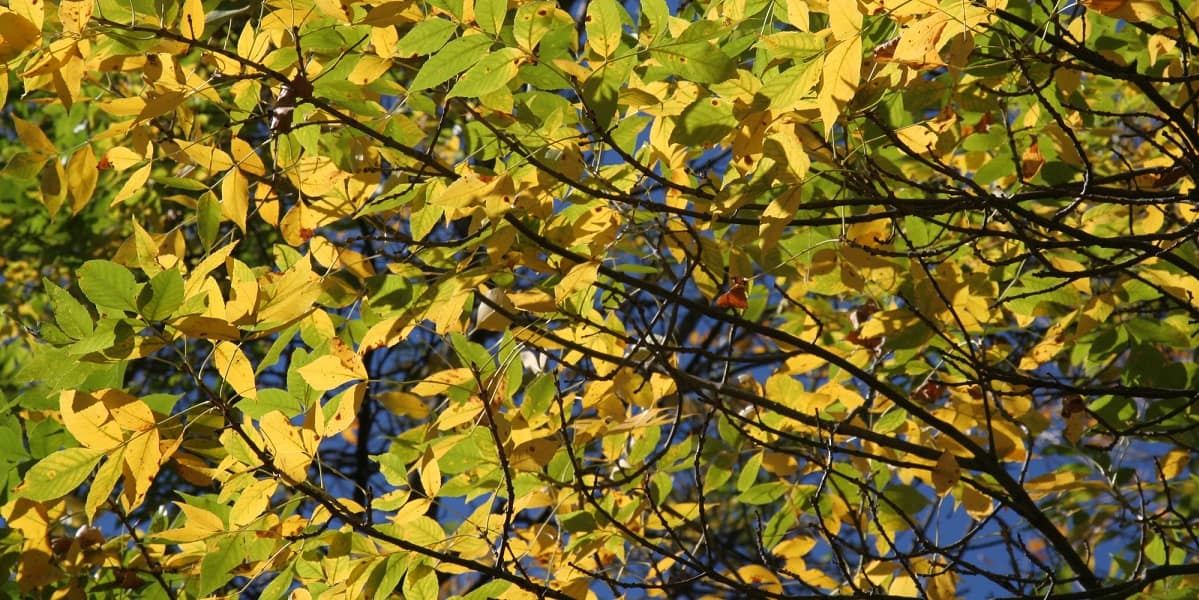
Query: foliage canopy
496,298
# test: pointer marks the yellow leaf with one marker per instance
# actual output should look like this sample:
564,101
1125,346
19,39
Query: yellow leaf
88,420
386,333
233,366
252,502
844,19
430,474
460,413
978,504
200,524
327,372
33,137
291,447
17,34
761,577
32,520
243,153
439,383
81,178
206,157
103,483
404,404
1175,462
287,296
143,457
840,76
191,20
122,158
235,198
946,473
135,184
534,455
52,182
344,408
580,278
74,14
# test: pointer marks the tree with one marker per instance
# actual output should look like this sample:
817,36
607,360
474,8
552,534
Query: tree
508,299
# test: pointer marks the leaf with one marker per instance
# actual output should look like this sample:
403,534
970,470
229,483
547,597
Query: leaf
159,299
604,27
133,185
840,75
490,74
700,62
946,473
292,447
235,198
70,316
191,22
328,372
33,137
53,186
59,474
208,219
108,285
233,366
456,57
427,37
82,176
103,483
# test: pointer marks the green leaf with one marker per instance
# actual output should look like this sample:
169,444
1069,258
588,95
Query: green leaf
456,57
749,473
108,285
59,474
420,583
700,62
538,396
490,14
208,219
763,493
392,572
164,294
426,37
216,566
706,121
490,74
70,315
578,522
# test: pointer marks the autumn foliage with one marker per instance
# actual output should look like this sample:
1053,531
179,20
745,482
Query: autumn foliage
507,299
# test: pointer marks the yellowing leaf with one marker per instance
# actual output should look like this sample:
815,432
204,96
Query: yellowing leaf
59,473
604,26
233,366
